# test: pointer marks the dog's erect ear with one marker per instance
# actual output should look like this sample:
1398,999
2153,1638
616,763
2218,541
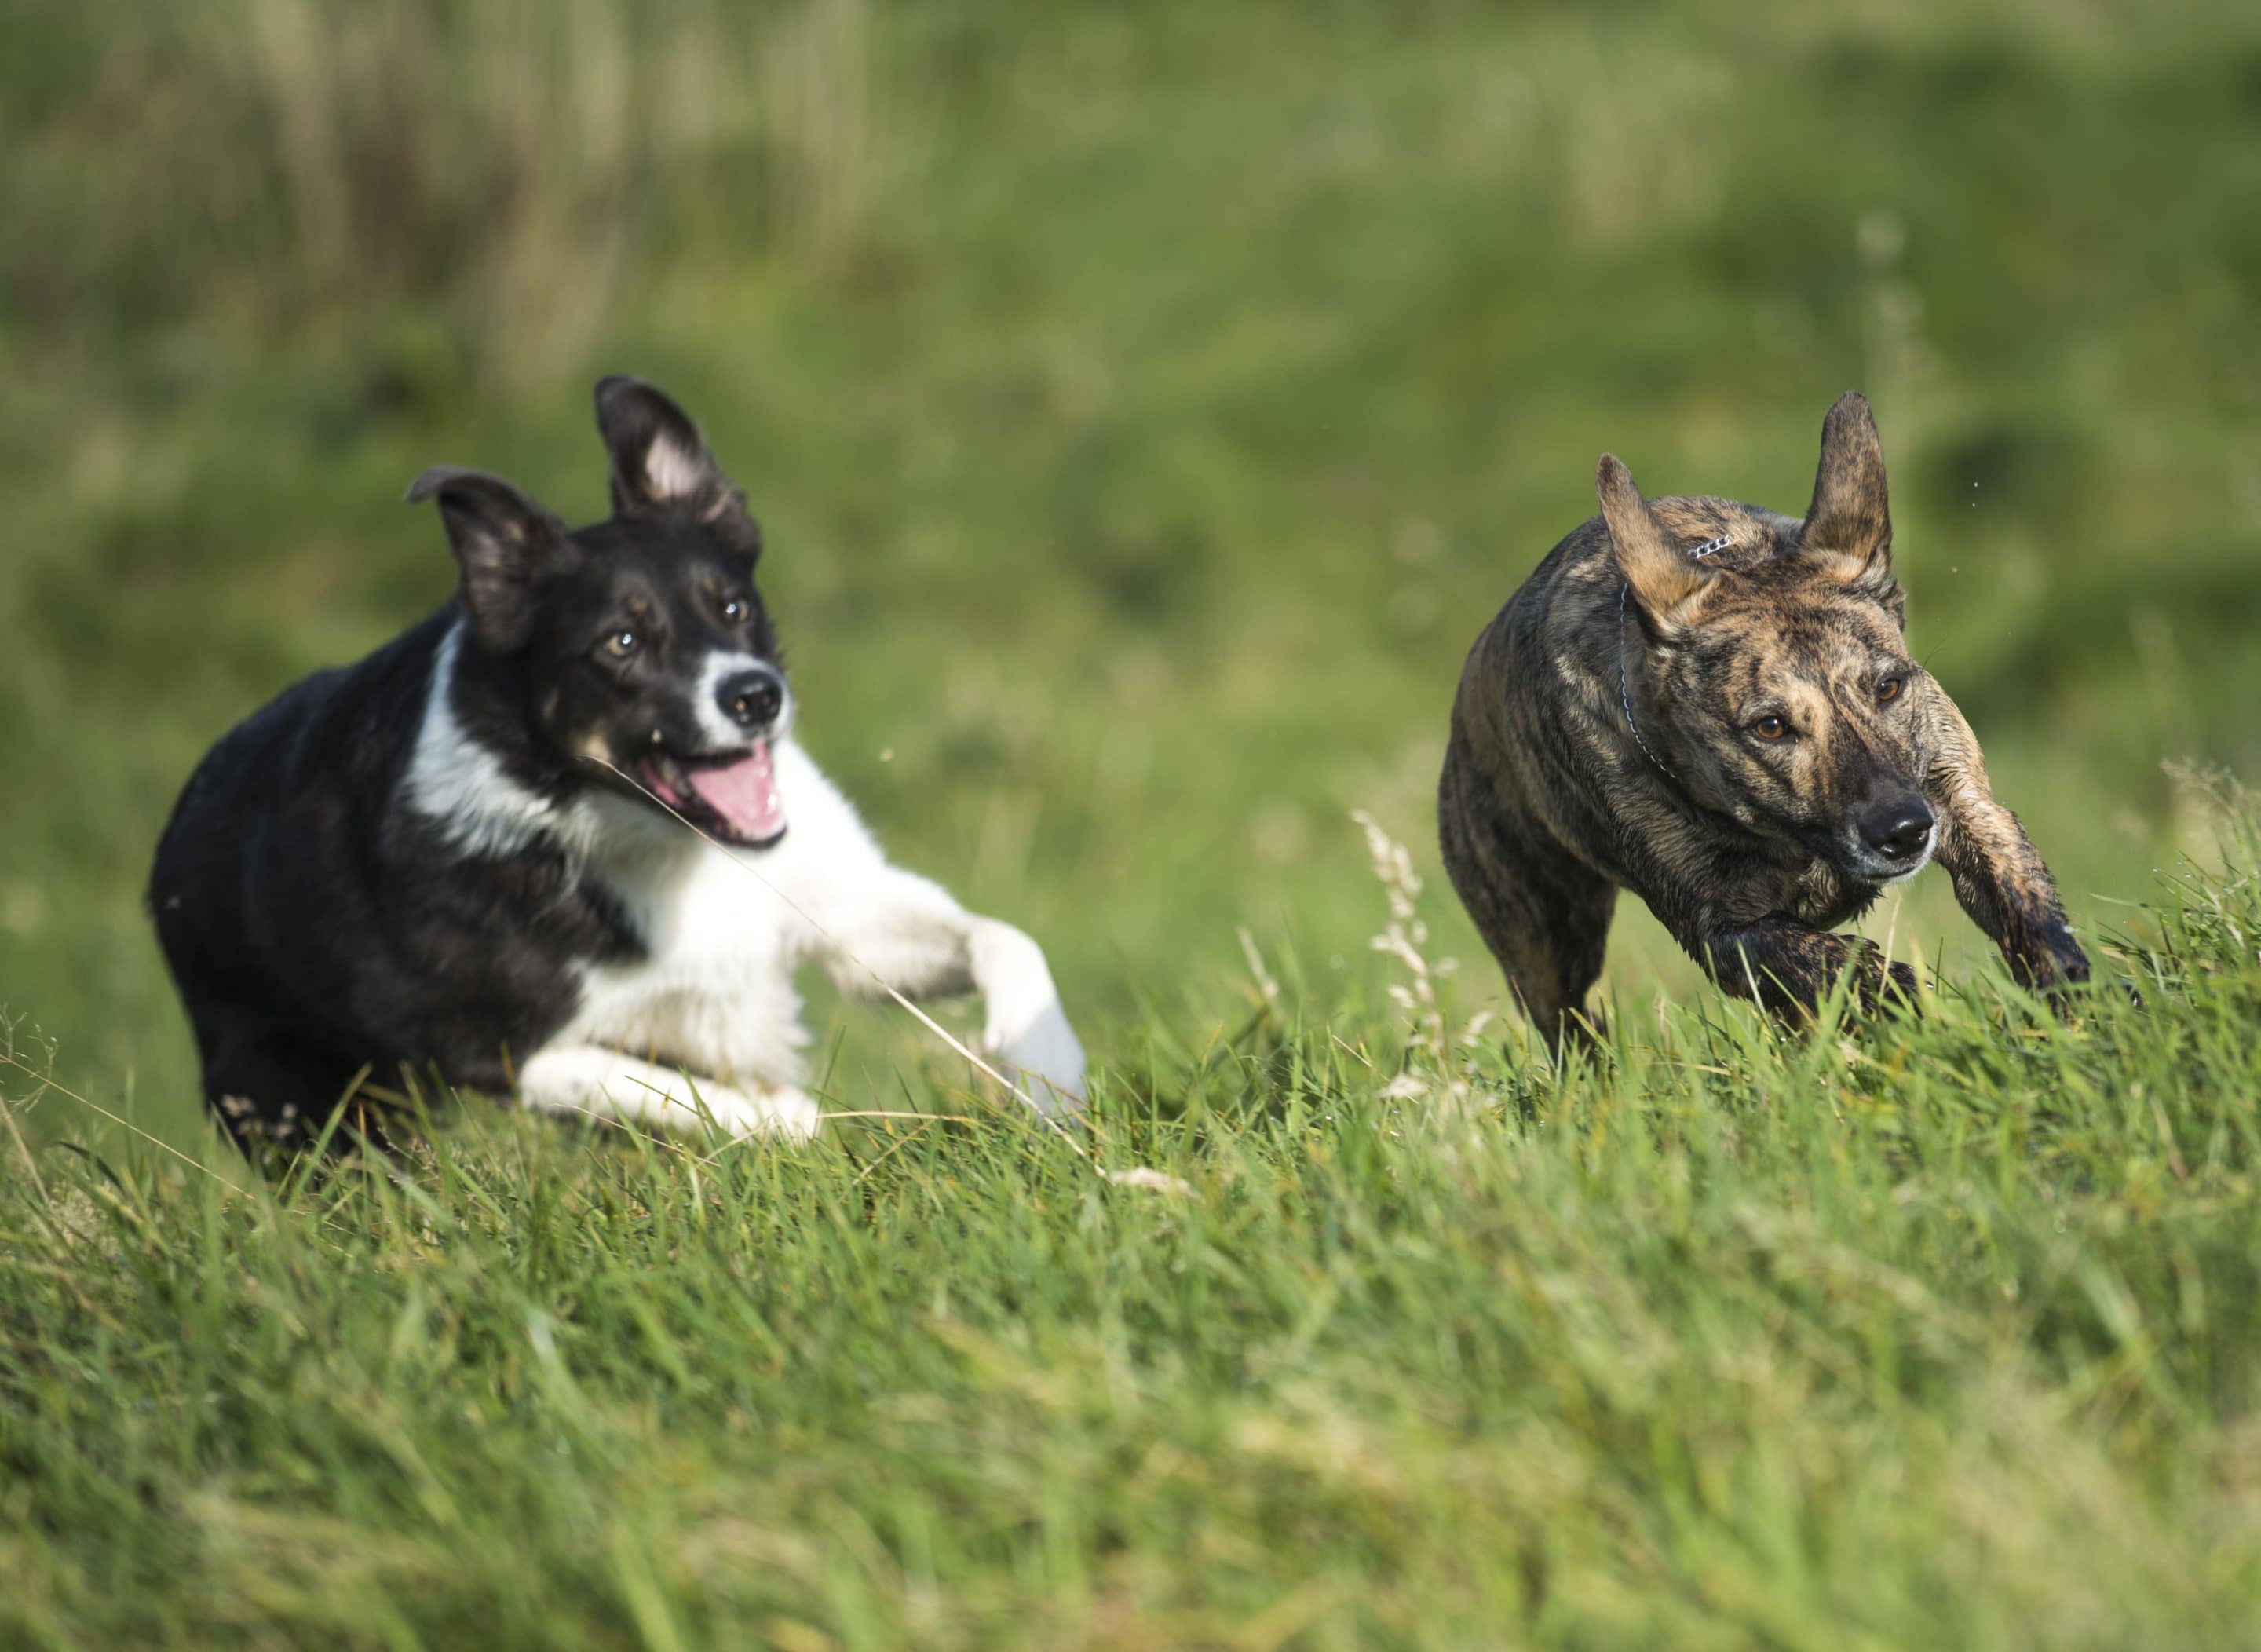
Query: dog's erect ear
505,543
1850,514
659,459
1848,526
1662,575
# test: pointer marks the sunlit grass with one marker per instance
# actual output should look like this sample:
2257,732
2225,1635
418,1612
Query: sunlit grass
1933,1331
1146,408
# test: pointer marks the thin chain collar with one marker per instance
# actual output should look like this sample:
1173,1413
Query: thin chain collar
1709,548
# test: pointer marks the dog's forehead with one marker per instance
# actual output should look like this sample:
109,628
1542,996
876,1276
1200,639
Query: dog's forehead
1788,627
659,558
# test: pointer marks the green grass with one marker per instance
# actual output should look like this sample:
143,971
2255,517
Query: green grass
1924,1333
1147,408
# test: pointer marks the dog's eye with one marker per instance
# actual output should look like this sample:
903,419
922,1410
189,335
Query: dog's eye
1770,728
621,643
1889,690
734,609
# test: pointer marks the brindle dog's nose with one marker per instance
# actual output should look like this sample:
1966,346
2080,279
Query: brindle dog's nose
752,699
1897,828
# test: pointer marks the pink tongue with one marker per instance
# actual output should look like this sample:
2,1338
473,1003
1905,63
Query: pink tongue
745,793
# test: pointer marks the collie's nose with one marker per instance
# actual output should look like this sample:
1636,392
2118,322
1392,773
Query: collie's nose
1899,828
751,699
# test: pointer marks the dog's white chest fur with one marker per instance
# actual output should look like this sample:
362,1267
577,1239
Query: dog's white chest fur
717,981
723,934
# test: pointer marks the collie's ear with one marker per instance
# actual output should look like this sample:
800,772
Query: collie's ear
1663,576
660,462
505,543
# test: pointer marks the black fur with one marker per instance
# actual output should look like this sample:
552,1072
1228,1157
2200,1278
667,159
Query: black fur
327,939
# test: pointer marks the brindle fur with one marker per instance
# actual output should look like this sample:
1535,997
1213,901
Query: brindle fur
1749,852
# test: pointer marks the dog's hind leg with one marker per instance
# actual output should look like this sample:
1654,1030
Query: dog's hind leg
586,1080
1997,872
1545,916
1790,966
267,1082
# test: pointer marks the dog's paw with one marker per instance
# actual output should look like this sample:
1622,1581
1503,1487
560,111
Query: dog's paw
1890,986
779,1111
2067,993
1048,1059
2056,968
1025,1028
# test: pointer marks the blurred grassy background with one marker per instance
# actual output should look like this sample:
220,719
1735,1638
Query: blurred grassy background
1146,407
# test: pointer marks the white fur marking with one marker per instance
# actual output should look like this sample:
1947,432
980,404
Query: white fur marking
1025,1026
715,723
672,471
462,785
576,1079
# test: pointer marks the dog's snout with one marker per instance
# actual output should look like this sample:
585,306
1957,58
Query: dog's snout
1897,828
752,699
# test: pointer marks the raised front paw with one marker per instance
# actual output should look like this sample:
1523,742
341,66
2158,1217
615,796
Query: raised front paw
1048,1059
1025,1028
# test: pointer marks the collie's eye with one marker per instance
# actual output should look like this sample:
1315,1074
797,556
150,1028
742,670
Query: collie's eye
1770,728
621,644
1889,690
734,609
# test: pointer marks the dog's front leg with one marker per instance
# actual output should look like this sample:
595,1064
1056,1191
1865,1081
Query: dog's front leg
915,937
1997,872
583,1078
1788,966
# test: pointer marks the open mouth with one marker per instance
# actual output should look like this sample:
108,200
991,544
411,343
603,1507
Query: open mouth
733,798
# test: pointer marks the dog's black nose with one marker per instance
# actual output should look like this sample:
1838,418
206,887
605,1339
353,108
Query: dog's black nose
752,699
1899,828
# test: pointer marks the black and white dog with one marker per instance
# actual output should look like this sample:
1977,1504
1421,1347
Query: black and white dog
463,857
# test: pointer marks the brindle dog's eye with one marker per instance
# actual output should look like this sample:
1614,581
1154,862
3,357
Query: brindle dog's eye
734,609
621,644
1889,690
1770,728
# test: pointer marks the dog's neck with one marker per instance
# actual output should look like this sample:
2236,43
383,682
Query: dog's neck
464,787
1697,553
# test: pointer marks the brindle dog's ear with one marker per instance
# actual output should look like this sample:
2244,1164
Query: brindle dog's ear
505,543
1850,524
659,459
1661,576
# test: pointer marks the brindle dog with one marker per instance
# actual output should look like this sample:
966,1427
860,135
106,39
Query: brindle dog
1711,705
